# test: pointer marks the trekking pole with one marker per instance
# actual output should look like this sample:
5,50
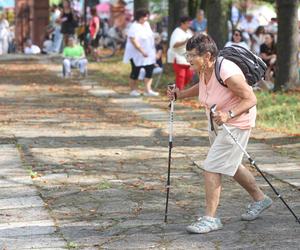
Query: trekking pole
171,106
252,162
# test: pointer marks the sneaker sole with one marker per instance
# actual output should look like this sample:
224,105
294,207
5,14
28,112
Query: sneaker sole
192,231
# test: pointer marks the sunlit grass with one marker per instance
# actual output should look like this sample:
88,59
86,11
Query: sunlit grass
276,111
279,111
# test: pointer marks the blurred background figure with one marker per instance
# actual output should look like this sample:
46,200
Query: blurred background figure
47,45
158,66
104,9
235,15
68,21
248,26
119,14
11,40
55,23
199,24
176,53
31,49
4,35
257,39
237,39
94,29
268,54
74,57
140,52
272,26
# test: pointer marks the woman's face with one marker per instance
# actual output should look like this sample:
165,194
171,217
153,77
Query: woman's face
195,60
185,25
268,39
143,19
71,42
66,4
237,37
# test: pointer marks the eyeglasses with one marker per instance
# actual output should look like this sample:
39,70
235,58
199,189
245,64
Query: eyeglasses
190,56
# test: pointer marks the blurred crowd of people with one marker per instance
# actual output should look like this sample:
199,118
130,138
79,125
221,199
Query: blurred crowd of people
67,19
114,19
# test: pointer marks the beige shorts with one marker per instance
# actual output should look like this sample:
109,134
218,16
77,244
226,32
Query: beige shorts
225,156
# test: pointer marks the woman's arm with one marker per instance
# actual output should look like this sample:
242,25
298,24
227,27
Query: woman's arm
190,92
240,88
179,44
97,22
181,94
137,46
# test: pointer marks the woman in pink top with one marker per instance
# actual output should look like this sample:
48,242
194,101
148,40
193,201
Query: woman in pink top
235,107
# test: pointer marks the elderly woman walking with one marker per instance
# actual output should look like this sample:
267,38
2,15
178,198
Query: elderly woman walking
235,107
140,52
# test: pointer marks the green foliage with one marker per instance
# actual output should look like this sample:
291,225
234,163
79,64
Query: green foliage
194,5
72,245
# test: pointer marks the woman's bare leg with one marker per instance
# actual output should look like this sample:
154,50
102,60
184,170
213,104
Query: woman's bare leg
248,182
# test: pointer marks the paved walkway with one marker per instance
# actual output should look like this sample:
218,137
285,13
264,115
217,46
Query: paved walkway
101,159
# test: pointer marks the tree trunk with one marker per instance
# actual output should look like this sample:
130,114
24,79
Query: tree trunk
193,7
141,4
216,21
203,5
177,9
287,74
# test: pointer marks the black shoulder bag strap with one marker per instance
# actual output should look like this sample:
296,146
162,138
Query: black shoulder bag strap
218,65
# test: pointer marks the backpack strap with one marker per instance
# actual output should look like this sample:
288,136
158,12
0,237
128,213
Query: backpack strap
218,65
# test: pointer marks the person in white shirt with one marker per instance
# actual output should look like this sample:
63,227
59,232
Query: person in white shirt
4,35
258,39
58,37
140,52
249,25
31,49
176,53
237,39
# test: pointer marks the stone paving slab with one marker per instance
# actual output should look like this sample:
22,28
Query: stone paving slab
24,221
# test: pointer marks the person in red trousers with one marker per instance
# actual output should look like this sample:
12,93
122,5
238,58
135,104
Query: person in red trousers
176,53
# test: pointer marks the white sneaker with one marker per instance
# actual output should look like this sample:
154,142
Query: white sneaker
256,208
134,93
151,93
205,224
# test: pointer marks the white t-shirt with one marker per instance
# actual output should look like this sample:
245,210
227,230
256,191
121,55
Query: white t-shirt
145,38
47,46
4,29
178,35
249,27
34,49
